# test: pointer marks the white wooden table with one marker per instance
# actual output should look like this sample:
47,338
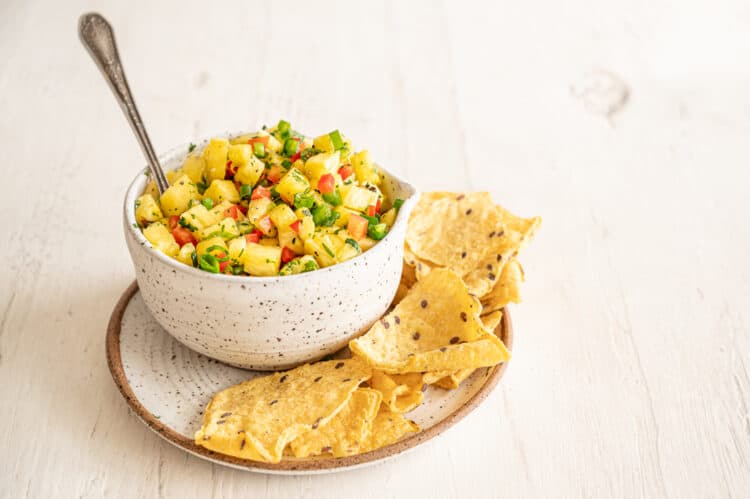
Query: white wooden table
630,374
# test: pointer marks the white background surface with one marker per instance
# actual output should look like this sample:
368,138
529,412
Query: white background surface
630,374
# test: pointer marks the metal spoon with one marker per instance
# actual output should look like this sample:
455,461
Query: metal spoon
97,36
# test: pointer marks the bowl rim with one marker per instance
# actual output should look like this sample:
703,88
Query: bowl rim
137,185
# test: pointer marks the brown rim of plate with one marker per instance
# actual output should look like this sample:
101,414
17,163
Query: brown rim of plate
114,360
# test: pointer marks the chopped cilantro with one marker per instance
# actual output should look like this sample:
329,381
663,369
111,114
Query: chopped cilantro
191,147
354,244
208,203
328,250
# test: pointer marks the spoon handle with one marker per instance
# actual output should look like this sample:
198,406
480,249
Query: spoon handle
97,36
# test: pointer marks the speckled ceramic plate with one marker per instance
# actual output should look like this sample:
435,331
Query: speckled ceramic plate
168,385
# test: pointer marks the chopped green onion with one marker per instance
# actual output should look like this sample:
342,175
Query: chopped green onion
370,220
308,153
259,149
336,140
304,200
286,163
246,191
377,232
209,263
354,244
284,129
290,147
222,234
334,198
397,203
324,216
194,258
187,224
237,269
275,196
208,203
201,187
191,147
310,265
328,250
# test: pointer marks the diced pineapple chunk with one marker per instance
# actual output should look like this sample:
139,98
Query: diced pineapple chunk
226,229
258,208
320,248
194,166
204,246
176,198
307,225
282,216
161,239
222,190
290,239
173,175
217,213
304,263
359,198
147,210
250,172
366,243
323,143
389,217
364,169
269,241
346,252
237,250
262,260
292,183
239,154
320,164
186,254
344,214
196,218
215,155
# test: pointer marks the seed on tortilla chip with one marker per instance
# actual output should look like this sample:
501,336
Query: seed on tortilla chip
388,428
435,327
258,418
516,233
451,229
345,432
507,289
401,392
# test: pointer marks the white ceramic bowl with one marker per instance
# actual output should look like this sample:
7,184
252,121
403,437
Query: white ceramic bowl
268,323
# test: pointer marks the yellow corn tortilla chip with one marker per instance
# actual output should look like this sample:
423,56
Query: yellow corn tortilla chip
258,418
453,229
492,319
507,289
401,392
435,376
436,316
408,278
517,232
453,381
388,428
345,432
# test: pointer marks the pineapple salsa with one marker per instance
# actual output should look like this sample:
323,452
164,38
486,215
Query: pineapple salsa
269,203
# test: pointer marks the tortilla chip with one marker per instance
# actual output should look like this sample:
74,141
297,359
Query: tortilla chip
388,428
435,327
258,418
435,376
408,278
345,432
453,381
451,229
401,392
492,320
517,232
507,289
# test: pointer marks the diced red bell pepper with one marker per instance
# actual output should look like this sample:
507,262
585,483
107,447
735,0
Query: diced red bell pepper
357,227
377,206
230,171
243,209
265,225
294,157
295,226
346,171
263,140
232,212
254,236
327,184
261,192
287,255
371,211
275,174
223,266
173,222
183,236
